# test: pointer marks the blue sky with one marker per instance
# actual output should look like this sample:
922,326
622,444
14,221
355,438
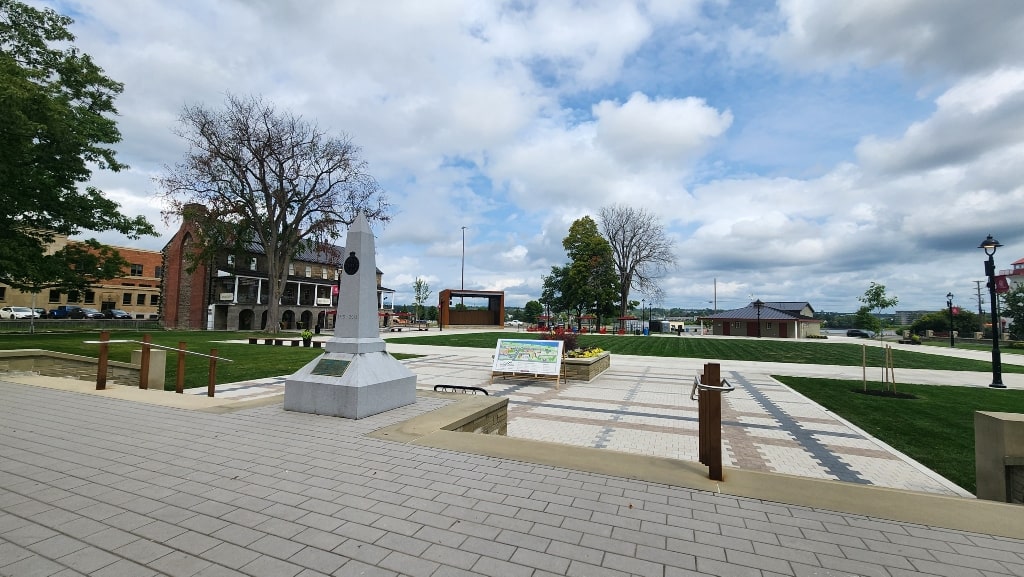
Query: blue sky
796,150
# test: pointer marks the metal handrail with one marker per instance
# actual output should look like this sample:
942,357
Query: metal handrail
725,387
459,389
186,351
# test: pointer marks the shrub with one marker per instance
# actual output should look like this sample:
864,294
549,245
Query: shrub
568,340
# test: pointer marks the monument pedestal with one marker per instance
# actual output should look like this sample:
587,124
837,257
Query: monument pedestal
350,385
356,377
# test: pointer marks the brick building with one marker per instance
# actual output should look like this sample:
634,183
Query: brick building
137,292
231,293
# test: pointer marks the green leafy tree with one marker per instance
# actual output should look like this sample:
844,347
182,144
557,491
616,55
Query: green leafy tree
532,310
865,320
1013,308
876,299
588,283
420,293
964,321
58,109
267,178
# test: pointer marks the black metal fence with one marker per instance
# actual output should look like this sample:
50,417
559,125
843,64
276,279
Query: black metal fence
54,325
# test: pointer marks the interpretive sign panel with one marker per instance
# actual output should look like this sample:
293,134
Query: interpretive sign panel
531,357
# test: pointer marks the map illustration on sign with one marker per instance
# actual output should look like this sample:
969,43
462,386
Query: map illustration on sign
525,356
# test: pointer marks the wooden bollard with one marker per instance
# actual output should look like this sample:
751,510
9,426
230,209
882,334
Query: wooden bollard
101,365
144,363
711,421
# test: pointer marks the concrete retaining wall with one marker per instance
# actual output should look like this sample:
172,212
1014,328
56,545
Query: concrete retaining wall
53,364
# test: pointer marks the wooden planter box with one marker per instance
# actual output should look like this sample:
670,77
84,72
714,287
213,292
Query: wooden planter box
586,369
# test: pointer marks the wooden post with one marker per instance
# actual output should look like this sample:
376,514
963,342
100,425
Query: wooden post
713,412
179,386
212,383
101,366
144,363
864,365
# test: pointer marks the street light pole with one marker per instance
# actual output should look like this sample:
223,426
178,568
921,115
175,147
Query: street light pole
463,286
989,245
758,304
949,303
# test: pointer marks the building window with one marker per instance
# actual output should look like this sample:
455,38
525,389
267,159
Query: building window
736,324
159,272
768,326
3,293
126,299
291,270
231,260
136,270
252,263
90,297
74,297
309,271
154,300
141,299
323,272
54,297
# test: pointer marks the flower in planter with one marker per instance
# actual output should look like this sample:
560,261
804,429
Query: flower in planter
307,335
587,353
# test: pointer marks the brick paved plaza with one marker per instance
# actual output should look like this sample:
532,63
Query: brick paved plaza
93,485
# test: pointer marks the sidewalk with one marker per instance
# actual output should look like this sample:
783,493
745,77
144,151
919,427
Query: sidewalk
108,487
642,406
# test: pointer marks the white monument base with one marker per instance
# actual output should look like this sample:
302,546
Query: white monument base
350,385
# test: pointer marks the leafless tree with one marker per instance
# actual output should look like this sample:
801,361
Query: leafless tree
642,251
268,178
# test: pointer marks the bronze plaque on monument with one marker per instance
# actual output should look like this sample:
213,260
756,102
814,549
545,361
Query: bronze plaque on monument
330,367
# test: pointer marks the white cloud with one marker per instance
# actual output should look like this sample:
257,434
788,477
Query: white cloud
797,152
948,37
671,131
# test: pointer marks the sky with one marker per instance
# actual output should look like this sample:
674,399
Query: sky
793,151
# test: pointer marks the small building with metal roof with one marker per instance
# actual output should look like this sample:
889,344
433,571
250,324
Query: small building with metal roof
783,320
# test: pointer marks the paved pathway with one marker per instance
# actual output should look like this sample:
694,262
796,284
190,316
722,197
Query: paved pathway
642,406
105,487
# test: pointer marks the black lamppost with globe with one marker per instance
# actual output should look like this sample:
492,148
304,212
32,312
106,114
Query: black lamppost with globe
989,245
949,305
758,305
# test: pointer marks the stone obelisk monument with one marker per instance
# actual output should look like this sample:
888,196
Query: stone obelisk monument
355,377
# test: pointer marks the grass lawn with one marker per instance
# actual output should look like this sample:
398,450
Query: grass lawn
249,361
802,352
936,428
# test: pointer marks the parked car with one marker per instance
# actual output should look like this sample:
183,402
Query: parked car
40,313
860,333
63,311
84,313
116,314
16,313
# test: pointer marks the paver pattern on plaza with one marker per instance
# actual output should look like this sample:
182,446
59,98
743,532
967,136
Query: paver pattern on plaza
105,487
647,410
642,405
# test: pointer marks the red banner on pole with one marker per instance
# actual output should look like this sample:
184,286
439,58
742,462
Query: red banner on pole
1002,285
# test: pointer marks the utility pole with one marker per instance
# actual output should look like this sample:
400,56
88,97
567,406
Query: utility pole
981,301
